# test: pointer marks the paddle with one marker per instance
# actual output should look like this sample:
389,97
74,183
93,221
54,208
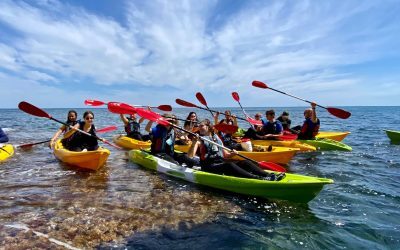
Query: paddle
191,105
252,121
2,149
340,113
226,128
202,100
29,145
96,103
147,114
35,111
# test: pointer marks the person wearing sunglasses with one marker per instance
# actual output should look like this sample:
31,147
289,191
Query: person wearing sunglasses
80,141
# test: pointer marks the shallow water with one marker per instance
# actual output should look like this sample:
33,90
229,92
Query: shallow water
124,206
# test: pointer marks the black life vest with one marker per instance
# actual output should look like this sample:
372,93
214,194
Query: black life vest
132,128
82,140
163,141
210,152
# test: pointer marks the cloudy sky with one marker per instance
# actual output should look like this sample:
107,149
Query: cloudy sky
338,53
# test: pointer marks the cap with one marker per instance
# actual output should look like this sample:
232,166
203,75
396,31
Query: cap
285,113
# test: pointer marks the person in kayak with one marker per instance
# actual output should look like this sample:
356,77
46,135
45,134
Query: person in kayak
191,124
311,124
271,128
227,137
71,121
213,158
132,127
163,140
285,120
80,141
3,136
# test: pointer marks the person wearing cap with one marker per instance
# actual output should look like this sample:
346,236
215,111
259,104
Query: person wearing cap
272,128
285,120
132,127
310,126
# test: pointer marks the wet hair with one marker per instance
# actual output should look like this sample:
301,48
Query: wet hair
87,113
69,112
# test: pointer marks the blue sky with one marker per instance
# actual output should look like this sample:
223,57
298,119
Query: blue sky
337,53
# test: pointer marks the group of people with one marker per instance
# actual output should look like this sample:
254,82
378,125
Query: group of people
208,146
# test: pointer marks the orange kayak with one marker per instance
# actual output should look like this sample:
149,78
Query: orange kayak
92,160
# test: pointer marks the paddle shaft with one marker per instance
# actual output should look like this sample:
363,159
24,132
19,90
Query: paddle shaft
279,91
244,112
240,118
212,142
32,144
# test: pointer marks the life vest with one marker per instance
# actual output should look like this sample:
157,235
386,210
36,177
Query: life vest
309,129
285,123
209,151
272,127
132,128
82,140
162,141
70,123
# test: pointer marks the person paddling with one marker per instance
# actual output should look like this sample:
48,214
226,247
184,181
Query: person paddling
71,121
132,127
311,124
285,120
271,128
212,157
80,141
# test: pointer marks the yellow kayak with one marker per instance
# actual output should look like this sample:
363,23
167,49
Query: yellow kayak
129,143
337,136
6,151
290,144
89,159
281,155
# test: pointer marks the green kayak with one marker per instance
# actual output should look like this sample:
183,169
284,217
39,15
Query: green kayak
293,187
327,144
394,136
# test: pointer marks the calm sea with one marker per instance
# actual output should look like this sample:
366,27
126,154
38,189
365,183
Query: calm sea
124,206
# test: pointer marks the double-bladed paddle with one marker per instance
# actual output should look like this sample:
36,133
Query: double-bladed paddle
35,111
147,114
340,113
252,121
96,103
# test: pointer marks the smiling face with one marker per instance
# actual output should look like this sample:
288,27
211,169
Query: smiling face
89,117
204,128
71,116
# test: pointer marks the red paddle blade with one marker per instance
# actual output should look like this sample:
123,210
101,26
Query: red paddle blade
106,129
94,103
185,103
235,96
259,84
340,113
271,166
149,115
167,108
121,108
254,121
201,98
287,137
226,128
32,110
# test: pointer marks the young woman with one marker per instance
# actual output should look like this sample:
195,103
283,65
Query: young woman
80,141
226,137
212,157
71,121
191,124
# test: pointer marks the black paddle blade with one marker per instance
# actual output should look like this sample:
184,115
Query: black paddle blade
340,113
259,84
201,98
235,96
32,110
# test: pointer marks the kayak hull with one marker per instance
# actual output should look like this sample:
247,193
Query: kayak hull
6,151
281,155
129,143
290,144
92,160
337,136
394,136
293,187
325,144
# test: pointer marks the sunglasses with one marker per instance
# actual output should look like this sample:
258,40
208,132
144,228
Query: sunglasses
89,118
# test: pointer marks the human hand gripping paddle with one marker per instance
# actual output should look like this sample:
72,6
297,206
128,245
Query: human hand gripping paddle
122,108
35,111
340,113
29,145
97,103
